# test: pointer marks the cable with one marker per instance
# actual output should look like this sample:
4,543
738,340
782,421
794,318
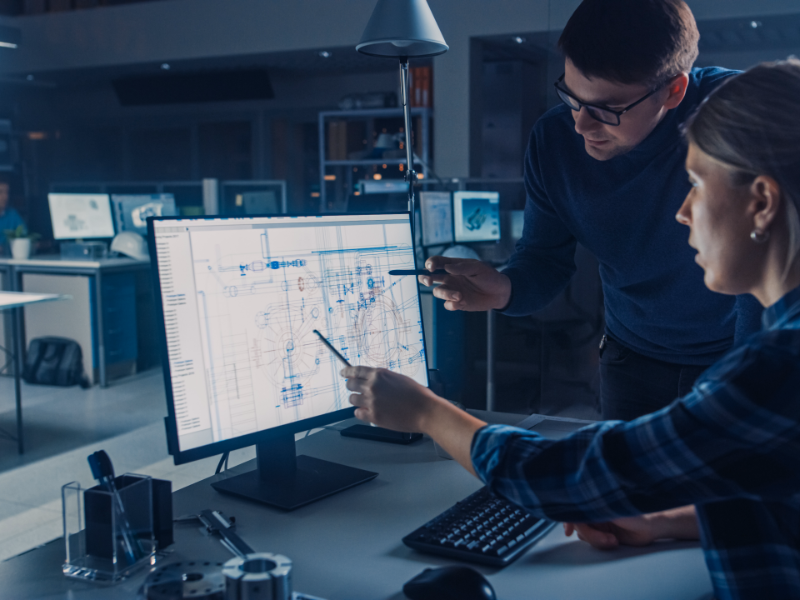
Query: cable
223,460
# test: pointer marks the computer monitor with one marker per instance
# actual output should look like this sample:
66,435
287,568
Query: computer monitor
436,210
132,210
476,216
240,298
81,216
374,203
262,202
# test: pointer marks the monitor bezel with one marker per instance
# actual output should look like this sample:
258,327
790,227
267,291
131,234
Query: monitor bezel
250,439
455,229
83,237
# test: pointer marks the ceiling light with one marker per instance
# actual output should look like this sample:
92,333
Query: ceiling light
755,24
324,54
519,39
165,66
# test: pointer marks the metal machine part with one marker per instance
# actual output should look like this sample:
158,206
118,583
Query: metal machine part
259,576
216,523
202,580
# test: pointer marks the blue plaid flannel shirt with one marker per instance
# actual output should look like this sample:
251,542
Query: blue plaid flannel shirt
731,447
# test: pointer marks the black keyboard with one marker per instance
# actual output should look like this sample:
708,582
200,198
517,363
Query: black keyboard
481,528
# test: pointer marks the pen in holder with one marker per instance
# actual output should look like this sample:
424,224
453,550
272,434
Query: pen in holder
101,544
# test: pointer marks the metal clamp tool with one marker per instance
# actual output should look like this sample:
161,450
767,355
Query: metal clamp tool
216,523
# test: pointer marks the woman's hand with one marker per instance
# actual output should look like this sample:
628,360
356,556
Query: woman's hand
398,402
628,531
389,399
643,530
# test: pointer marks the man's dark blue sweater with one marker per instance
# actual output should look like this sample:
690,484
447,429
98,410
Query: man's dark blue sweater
623,211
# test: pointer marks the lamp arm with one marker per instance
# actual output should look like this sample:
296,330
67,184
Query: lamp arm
410,175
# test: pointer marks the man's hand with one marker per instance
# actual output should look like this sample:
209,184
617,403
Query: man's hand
643,530
470,285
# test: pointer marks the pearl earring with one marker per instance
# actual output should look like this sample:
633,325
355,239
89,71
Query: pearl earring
759,237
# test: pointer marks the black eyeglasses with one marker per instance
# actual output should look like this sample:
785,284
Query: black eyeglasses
598,113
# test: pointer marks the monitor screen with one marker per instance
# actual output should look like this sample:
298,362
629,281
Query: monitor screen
436,209
132,210
81,216
241,297
476,216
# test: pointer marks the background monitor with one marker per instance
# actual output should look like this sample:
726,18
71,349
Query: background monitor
263,202
383,186
436,210
81,216
476,216
378,203
242,297
132,210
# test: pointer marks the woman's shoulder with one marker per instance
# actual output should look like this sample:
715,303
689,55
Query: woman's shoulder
764,363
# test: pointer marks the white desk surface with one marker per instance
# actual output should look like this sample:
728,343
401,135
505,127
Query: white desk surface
348,546
17,299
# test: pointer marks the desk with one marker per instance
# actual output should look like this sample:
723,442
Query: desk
94,269
348,546
15,301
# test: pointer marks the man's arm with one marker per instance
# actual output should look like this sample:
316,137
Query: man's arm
540,268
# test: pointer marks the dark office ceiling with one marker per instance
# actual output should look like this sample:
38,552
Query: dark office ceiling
755,33
331,61
779,32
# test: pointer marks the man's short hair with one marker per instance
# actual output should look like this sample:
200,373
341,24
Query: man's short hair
631,41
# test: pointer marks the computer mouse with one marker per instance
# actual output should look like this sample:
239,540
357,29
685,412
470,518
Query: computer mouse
449,583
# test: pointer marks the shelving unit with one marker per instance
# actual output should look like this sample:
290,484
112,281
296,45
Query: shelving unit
356,139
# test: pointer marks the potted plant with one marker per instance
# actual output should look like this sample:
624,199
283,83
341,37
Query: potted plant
21,241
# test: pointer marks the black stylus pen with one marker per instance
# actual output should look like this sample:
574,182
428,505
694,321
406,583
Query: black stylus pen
399,272
332,349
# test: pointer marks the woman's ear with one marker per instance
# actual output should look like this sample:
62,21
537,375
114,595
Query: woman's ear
765,198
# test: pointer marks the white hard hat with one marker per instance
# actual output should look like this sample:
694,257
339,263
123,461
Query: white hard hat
130,244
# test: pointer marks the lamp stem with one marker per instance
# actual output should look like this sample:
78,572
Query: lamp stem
410,175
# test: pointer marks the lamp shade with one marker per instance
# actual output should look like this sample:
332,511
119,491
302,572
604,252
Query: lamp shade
402,28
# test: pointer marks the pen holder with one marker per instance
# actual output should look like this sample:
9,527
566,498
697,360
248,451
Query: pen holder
106,537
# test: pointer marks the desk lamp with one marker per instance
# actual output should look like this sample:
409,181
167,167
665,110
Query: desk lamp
403,29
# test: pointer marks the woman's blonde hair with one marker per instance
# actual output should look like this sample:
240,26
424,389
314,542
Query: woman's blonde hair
751,124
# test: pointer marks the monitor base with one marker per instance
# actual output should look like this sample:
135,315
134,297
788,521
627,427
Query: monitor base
313,480
379,434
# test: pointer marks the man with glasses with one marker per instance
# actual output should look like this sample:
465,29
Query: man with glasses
606,169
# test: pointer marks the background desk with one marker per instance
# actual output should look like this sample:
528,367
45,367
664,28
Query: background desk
348,546
14,302
116,327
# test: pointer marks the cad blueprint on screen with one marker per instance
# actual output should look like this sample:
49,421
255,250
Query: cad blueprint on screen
262,292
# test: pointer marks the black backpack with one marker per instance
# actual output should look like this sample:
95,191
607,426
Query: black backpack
54,361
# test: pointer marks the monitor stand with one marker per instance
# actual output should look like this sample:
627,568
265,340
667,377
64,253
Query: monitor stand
286,481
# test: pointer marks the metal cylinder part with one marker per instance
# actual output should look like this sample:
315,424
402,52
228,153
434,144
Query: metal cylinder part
259,576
